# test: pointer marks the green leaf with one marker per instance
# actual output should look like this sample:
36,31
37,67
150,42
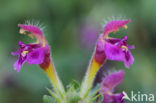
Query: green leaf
48,99
73,98
100,98
93,95
75,84
94,91
54,95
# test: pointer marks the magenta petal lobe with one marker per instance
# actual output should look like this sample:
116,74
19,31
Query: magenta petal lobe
119,50
114,26
112,80
113,52
36,56
18,64
128,59
108,85
116,98
31,53
31,28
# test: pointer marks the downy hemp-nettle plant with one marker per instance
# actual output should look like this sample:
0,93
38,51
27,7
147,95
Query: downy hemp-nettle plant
107,48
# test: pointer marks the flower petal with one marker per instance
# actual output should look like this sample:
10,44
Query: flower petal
118,98
113,52
115,98
15,53
111,81
113,40
18,64
131,47
114,26
31,28
128,59
36,56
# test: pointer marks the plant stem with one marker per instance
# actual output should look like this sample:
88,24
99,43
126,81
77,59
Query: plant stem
89,77
54,79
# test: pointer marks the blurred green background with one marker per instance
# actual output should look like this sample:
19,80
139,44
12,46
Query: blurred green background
72,28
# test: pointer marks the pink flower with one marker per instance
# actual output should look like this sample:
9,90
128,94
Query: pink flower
32,53
118,49
114,48
108,85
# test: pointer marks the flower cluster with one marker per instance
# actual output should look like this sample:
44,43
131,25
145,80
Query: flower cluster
107,48
113,49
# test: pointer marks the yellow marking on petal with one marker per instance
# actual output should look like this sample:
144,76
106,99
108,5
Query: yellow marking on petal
125,27
22,31
124,47
24,53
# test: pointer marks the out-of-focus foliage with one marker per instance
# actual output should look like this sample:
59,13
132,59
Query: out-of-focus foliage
72,27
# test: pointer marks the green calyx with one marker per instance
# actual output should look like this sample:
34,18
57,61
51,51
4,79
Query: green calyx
72,95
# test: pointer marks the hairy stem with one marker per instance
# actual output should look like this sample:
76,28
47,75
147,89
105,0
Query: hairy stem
54,79
89,77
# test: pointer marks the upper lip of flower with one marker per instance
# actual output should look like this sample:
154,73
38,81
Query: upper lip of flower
108,85
114,26
112,80
30,28
33,31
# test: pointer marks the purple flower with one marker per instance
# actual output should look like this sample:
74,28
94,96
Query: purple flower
114,48
108,85
118,49
32,53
